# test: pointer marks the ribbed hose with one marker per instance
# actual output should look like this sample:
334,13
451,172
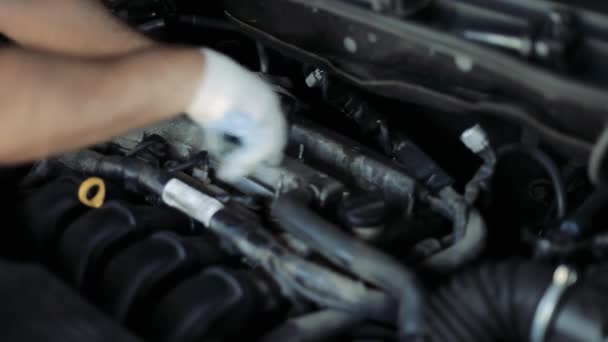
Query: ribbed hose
494,303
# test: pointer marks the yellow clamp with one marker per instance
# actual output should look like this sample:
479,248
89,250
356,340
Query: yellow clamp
92,192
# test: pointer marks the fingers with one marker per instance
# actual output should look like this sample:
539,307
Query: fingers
264,146
232,101
215,142
240,163
243,161
278,133
275,159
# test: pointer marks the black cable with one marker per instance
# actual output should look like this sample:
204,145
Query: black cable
579,223
550,168
129,171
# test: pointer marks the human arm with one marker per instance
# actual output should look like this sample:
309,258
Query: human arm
73,27
226,99
50,103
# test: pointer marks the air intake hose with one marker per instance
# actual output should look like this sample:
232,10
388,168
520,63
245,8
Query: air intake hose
508,301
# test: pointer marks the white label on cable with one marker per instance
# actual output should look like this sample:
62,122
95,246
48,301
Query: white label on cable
190,201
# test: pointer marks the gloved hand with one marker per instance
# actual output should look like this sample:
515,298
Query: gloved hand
235,102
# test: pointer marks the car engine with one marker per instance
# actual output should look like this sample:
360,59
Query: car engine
443,182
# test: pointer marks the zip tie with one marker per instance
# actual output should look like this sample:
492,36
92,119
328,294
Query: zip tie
92,192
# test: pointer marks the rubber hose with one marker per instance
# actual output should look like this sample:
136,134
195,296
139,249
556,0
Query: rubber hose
317,326
371,303
493,303
499,302
464,250
129,171
317,283
295,217
580,223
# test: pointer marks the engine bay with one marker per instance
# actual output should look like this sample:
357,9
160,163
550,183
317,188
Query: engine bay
437,184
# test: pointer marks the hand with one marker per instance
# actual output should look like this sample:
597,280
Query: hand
235,102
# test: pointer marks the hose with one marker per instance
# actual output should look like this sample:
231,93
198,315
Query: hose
503,301
133,173
294,274
495,302
294,216
550,168
579,224
597,159
317,326
354,163
305,278
373,172
464,250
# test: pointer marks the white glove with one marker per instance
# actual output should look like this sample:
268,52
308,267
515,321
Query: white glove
232,101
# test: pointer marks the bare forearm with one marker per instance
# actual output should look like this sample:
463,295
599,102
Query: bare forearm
74,27
52,104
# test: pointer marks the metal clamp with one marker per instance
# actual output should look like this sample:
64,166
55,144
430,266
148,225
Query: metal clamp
564,277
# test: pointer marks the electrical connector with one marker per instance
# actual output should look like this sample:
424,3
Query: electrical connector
475,139
315,79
